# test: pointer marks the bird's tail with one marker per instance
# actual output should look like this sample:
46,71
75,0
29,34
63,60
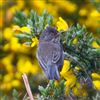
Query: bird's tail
53,73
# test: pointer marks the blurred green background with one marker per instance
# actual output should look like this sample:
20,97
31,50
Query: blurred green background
15,58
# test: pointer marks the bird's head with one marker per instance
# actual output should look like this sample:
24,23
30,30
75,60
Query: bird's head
50,34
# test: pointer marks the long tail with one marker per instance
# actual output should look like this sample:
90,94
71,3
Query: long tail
53,73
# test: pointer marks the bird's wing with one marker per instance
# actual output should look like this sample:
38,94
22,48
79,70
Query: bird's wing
56,54
41,61
48,54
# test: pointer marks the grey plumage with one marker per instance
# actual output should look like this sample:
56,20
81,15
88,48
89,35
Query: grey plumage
50,53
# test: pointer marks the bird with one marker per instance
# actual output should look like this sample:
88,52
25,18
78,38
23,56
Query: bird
50,53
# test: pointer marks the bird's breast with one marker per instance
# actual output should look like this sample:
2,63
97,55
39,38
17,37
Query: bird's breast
45,49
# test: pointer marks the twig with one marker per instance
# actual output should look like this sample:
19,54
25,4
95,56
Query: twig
24,76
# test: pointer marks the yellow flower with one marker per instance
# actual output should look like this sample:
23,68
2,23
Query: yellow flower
66,5
70,81
95,13
15,83
35,68
83,12
20,4
8,77
75,41
77,68
13,9
16,28
56,83
18,75
93,16
8,33
79,90
6,47
96,84
21,29
96,80
26,11
39,5
34,42
7,62
25,29
95,45
1,18
24,65
2,3
14,44
66,67
6,86
68,75
95,76
61,25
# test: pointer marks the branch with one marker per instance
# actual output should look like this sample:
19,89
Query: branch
78,62
24,76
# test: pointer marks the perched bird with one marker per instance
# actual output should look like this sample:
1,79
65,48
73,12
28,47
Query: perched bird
50,53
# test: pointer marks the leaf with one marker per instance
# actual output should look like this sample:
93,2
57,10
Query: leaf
42,90
4,97
27,43
23,36
20,19
15,94
50,20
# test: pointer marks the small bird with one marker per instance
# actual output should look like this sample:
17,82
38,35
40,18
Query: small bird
50,53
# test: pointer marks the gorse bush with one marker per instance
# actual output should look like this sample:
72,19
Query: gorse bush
80,75
20,30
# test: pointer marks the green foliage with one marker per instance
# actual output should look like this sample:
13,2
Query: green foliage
52,92
15,94
20,19
97,96
24,36
81,53
4,97
35,22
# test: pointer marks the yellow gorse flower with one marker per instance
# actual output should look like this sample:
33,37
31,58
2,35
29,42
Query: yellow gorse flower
8,33
95,45
71,7
16,83
95,76
21,29
78,90
71,81
96,84
83,12
25,65
61,25
95,13
75,41
25,29
34,42
7,62
77,68
96,80
56,83
68,75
